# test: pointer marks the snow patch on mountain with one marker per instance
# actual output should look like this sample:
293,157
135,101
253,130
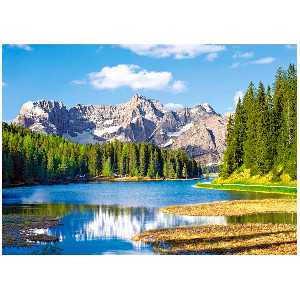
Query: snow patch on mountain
207,107
110,129
183,129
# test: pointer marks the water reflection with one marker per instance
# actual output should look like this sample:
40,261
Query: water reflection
108,229
101,218
273,218
88,222
125,223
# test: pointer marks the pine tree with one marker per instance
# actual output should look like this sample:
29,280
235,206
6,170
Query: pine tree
238,135
278,116
200,170
50,168
184,172
132,161
262,163
156,163
229,160
194,168
63,168
251,133
143,160
93,162
151,170
107,168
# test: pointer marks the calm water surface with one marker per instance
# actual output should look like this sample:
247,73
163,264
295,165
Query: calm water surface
101,218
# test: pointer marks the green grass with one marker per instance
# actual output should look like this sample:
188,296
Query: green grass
238,187
243,176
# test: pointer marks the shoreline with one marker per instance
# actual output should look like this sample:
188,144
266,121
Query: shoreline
232,208
247,239
221,187
238,239
98,179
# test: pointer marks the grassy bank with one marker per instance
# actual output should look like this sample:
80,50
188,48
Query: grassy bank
250,188
254,239
242,176
234,208
241,239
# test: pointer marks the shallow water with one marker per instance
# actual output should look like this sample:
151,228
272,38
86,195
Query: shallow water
101,218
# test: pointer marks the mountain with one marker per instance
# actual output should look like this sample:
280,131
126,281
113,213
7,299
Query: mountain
198,130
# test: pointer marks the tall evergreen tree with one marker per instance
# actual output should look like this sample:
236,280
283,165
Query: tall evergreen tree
249,105
143,160
229,162
133,164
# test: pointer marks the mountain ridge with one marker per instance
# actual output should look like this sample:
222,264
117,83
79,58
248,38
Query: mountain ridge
141,119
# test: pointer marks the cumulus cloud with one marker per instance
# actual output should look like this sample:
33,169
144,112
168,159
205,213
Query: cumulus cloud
178,86
78,82
175,51
240,54
238,94
173,106
22,46
133,76
211,56
291,47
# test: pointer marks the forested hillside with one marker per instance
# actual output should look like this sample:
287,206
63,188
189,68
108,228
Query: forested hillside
29,157
262,135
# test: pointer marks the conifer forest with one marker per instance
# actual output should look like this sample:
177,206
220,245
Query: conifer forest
33,157
262,134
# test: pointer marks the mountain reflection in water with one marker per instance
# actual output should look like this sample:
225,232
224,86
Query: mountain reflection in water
108,229
102,218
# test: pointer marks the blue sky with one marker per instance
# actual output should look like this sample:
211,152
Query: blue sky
176,75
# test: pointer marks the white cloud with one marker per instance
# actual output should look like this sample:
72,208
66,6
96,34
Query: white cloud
262,61
235,65
230,108
22,46
135,77
4,84
291,47
211,56
175,51
173,106
178,86
238,94
77,82
265,60
240,54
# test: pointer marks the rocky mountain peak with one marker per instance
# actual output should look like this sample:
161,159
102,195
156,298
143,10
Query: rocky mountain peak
199,130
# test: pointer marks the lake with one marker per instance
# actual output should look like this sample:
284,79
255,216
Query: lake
102,217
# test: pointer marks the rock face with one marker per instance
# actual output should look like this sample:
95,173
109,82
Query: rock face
198,130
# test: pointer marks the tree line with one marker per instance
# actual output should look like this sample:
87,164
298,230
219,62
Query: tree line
29,156
262,134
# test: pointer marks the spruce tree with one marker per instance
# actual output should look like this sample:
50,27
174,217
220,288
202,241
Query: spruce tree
184,172
132,161
107,168
229,160
262,161
238,136
143,160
